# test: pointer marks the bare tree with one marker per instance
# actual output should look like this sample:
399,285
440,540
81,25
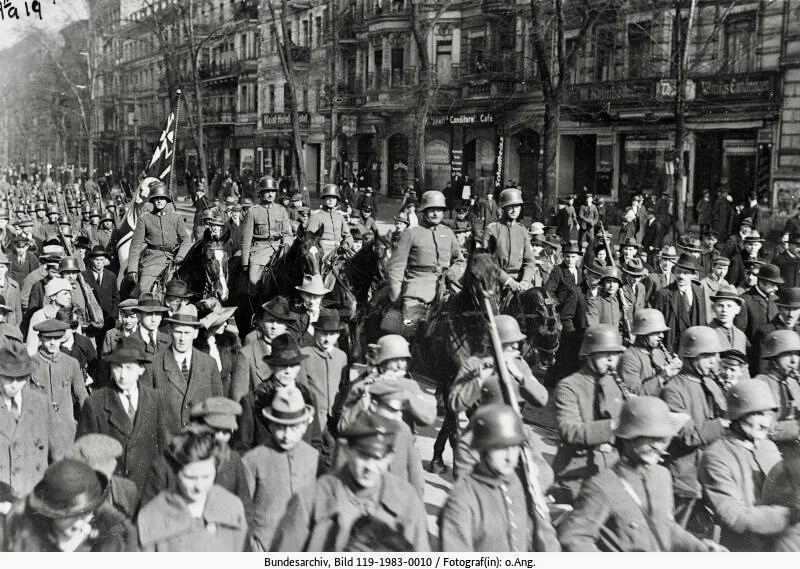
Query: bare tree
287,52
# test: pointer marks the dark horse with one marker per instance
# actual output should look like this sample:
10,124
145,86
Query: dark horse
205,270
354,278
536,311
285,271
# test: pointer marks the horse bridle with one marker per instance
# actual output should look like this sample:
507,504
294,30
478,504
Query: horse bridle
506,302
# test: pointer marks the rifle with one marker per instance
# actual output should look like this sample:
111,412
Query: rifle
94,312
626,325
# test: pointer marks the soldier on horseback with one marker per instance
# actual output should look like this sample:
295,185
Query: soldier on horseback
424,256
336,229
512,249
160,238
265,227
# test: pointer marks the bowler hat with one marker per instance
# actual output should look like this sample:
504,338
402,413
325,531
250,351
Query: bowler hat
328,321
571,248
754,237
277,310
69,488
218,412
97,251
313,284
789,297
753,265
371,434
634,267
15,361
129,350
51,328
287,407
629,242
149,303
184,316
177,288
727,293
285,352
687,262
771,273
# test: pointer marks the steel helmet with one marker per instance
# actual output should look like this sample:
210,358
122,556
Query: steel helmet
94,212
699,340
611,273
510,196
600,338
496,426
52,208
390,347
779,342
648,321
69,265
85,208
330,191
40,206
644,417
431,199
63,219
749,396
267,184
158,190
508,329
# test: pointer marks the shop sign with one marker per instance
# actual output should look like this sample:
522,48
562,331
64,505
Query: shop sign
498,177
283,119
349,124
456,162
469,119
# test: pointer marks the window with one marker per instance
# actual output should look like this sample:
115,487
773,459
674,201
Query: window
287,98
306,37
477,55
444,61
639,50
318,28
272,98
305,100
740,43
604,56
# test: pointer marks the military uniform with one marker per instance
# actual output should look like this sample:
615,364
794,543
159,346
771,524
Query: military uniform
640,368
335,228
155,239
423,254
512,250
265,226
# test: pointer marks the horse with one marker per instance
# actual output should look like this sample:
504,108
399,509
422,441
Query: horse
205,270
536,311
355,277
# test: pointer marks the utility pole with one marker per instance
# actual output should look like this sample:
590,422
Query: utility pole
333,30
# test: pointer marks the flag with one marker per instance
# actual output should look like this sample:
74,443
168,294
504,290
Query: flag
160,167
161,162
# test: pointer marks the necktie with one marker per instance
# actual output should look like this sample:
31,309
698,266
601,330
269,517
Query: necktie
600,409
129,408
152,342
185,370
99,278
15,410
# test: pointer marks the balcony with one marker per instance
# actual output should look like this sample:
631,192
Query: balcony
247,118
246,10
392,79
493,64
220,71
374,9
219,117
498,6
447,80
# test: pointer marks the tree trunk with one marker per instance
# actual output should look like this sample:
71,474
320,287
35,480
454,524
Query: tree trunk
550,134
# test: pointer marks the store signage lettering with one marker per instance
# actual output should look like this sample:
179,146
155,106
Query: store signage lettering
464,120
283,119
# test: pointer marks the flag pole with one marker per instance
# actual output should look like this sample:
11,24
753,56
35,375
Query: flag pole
171,187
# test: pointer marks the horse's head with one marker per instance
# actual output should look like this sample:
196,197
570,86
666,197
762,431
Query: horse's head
482,276
216,268
306,252
542,324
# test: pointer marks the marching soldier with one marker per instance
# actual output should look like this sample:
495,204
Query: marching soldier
634,497
265,227
787,318
335,228
781,350
492,509
160,238
588,403
696,392
734,467
424,255
646,366
512,249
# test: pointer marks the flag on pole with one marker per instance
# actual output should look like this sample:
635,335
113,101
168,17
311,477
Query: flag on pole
160,168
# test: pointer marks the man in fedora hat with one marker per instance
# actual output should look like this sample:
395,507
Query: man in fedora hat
249,367
104,284
306,308
715,280
646,366
653,237
425,257
266,226
282,464
508,241
150,312
30,438
788,261
324,371
787,318
564,283
634,293
682,303
634,497
23,260
129,411
182,374
321,520
176,295
726,305
160,237
759,300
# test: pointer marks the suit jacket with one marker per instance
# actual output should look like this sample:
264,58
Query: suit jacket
249,369
653,237
19,270
177,394
790,268
163,341
107,294
142,441
27,444
758,310
563,286
668,301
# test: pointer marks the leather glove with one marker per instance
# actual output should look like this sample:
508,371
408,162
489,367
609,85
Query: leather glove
513,285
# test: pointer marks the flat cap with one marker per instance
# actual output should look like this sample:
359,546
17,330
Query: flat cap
371,434
218,412
96,450
51,328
